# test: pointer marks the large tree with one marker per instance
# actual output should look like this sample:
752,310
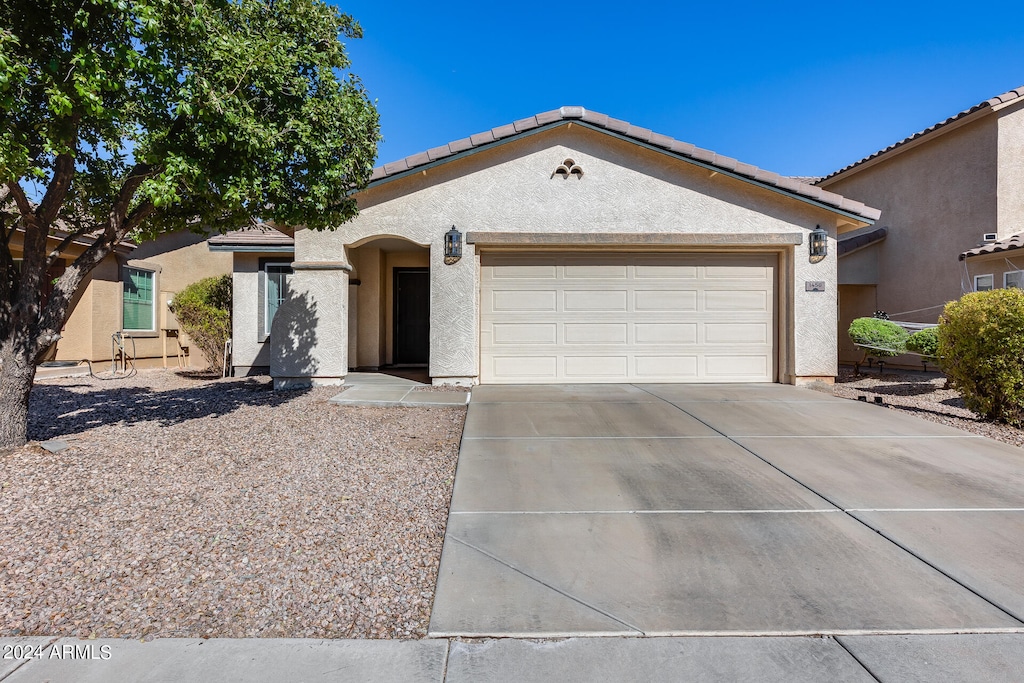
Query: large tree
127,118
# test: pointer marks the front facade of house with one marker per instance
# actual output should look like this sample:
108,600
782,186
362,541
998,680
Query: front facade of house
594,251
941,192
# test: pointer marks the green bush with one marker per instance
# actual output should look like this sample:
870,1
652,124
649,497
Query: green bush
204,311
925,342
981,350
887,338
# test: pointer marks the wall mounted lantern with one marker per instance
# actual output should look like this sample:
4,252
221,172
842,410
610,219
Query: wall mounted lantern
452,246
818,244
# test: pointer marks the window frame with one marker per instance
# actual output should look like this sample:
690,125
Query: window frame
265,268
154,274
1014,272
990,276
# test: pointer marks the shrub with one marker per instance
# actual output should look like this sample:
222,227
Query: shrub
879,338
925,342
204,311
981,350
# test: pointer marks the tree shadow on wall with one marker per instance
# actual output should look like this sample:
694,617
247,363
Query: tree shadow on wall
293,337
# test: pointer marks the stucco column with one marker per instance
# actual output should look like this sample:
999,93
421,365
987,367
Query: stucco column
454,317
309,337
815,314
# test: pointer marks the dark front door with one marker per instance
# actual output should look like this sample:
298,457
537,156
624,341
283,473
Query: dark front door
412,316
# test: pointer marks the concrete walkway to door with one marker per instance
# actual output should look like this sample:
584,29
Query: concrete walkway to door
633,510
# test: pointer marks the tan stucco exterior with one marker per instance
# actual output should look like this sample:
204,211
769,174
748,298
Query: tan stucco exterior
95,313
628,196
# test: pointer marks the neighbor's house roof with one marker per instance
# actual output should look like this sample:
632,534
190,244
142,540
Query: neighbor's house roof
1008,244
662,143
987,107
861,239
253,238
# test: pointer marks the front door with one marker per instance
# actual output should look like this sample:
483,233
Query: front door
412,316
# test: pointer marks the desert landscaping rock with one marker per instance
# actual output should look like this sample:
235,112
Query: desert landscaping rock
197,508
925,396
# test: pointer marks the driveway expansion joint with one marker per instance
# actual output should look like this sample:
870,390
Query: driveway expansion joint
561,592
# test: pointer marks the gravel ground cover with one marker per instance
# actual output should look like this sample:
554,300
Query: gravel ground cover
923,395
187,507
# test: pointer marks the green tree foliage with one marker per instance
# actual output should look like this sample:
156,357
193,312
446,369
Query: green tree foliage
879,338
981,350
204,311
126,118
925,342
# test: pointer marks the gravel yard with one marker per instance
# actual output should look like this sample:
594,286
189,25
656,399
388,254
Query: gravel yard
922,395
187,507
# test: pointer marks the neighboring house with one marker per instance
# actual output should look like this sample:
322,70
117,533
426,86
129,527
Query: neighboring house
128,292
994,265
942,192
593,251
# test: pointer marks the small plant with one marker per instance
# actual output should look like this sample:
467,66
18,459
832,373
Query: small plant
981,350
925,342
879,338
204,311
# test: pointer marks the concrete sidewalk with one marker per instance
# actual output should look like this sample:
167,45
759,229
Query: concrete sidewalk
907,659
381,391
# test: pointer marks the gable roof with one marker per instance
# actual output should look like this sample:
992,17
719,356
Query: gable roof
643,136
1006,244
259,237
988,104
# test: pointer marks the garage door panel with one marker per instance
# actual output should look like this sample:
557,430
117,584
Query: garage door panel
525,333
596,333
524,300
583,367
595,300
666,300
736,300
736,333
665,333
627,317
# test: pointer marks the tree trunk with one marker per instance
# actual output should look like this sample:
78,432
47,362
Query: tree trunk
16,375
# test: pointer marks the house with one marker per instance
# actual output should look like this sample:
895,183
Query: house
128,293
942,192
994,265
585,249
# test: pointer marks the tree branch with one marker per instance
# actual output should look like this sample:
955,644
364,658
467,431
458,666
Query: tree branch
65,243
57,192
20,200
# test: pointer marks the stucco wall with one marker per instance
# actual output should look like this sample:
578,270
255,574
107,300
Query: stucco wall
1010,187
249,348
995,265
625,189
937,199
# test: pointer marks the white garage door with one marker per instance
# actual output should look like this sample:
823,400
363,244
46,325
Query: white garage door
654,317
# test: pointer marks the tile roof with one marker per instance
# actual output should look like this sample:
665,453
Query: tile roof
861,239
1008,96
1007,244
791,186
259,234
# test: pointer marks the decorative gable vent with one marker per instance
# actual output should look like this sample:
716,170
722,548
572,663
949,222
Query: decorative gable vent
568,168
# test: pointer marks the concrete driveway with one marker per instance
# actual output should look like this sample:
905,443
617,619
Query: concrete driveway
725,510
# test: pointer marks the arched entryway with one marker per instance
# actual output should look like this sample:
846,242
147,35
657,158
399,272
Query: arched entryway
389,304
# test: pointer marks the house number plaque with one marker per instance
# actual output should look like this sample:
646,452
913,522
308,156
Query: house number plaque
814,285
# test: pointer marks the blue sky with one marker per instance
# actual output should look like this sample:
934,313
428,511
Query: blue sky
797,88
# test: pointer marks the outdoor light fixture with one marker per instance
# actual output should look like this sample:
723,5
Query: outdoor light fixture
818,243
452,246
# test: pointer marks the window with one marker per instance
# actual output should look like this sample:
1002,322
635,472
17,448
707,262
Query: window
138,311
983,283
275,291
1014,278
